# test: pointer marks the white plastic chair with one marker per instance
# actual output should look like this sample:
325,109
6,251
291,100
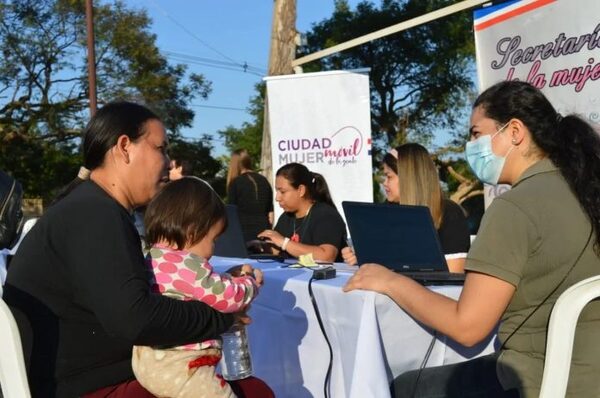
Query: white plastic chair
561,334
13,377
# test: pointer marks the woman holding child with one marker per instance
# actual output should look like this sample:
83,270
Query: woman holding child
79,284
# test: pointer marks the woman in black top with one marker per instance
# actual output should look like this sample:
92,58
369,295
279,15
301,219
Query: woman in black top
251,193
410,178
78,282
311,223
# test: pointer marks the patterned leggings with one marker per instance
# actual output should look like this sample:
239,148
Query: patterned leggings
179,373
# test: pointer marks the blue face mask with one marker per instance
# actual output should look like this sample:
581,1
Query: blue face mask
486,165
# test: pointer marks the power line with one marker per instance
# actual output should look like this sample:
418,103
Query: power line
246,66
219,107
193,35
210,65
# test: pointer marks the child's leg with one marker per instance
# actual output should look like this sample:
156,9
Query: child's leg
179,374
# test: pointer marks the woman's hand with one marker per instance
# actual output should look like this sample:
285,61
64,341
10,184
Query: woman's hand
272,236
373,277
349,256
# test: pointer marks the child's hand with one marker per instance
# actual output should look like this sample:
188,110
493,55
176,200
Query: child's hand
258,276
254,272
246,270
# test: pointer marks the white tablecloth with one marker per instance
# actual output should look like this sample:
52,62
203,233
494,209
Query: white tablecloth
373,340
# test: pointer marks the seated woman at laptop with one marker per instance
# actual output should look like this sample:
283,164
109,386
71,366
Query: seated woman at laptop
411,178
311,223
535,241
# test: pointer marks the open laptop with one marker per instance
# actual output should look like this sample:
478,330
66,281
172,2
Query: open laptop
231,242
402,238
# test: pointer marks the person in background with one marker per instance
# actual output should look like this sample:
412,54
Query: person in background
410,178
535,241
182,241
79,282
311,223
251,193
179,169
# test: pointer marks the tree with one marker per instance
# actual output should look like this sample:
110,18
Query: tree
420,78
43,82
202,164
249,136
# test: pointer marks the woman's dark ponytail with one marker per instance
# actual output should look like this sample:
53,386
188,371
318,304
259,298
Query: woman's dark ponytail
320,190
298,174
570,142
577,155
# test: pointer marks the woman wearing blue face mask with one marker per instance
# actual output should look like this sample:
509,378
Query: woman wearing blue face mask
535,241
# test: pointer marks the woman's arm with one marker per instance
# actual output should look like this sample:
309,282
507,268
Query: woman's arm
224,292
456,265
107,267
469,320
271,217
323,252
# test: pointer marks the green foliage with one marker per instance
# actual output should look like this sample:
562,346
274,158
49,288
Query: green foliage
44,86
202,164
42,167
249,136
419,77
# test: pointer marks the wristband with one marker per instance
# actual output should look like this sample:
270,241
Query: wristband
285,243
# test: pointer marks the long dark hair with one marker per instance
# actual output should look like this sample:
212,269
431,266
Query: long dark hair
103,130
298,174
570,142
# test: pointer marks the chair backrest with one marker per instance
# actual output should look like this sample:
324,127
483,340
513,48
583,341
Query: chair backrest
13,377
561,333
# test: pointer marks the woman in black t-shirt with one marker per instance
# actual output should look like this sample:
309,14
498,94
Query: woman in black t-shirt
311,223
251,193
410,178
79,281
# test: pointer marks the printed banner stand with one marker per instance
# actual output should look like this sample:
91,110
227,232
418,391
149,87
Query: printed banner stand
552,44
323,120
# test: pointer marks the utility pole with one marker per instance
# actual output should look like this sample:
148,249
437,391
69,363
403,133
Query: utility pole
89,17
281,56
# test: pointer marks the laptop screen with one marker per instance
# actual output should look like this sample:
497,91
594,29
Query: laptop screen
399,237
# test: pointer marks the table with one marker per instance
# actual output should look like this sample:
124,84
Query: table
373,340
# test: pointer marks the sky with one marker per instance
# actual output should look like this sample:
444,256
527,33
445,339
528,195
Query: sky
228,34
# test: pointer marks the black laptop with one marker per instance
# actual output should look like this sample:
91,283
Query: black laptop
402,238
231,242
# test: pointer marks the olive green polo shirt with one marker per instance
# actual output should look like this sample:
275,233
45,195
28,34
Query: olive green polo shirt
530,237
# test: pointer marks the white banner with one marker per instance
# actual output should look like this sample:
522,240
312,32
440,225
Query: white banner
323,120
552,44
